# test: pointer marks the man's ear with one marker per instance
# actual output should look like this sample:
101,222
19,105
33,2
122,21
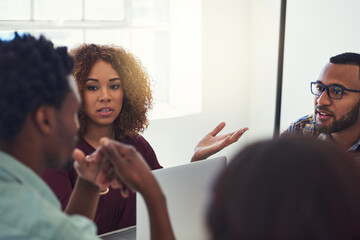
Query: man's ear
44,118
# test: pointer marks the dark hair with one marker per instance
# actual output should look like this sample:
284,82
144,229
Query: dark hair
347,58
134,81
32,74
289,188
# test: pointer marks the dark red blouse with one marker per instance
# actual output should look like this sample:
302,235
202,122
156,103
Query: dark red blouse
113,211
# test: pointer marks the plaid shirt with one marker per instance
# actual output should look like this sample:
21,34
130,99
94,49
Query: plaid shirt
306,126
303,126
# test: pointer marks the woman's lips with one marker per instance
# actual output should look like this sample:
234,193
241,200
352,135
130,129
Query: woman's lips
105,111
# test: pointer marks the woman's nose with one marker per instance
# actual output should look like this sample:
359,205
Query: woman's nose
104,96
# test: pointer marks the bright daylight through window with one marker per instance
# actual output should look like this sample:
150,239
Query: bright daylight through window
164,34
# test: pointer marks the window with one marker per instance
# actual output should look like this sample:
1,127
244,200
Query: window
164,34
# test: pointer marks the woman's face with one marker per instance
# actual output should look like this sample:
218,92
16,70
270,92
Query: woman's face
103,94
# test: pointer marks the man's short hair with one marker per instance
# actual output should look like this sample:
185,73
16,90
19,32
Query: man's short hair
32,73
347,58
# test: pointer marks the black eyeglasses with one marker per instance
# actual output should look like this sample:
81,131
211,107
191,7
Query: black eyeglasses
333,91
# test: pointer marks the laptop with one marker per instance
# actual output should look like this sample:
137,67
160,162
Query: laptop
186,188
128,233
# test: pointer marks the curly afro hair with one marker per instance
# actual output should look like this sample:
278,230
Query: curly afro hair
135,82
32,73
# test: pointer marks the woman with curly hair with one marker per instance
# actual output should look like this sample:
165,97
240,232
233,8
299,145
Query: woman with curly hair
116,96
106,72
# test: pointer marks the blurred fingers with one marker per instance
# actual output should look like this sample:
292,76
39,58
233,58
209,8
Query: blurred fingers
112,153
217,129
78,155
235,136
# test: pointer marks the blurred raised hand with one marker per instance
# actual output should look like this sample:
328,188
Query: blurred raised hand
93,168
213,143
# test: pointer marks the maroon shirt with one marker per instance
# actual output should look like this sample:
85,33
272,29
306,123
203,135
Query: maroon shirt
113,211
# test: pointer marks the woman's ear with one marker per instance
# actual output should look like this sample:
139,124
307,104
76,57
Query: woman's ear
44,119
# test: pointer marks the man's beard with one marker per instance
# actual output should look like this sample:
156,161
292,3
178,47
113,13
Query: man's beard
344,122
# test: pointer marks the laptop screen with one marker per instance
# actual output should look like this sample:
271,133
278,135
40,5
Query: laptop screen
186,188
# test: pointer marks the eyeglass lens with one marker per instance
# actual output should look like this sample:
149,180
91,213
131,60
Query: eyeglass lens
335,92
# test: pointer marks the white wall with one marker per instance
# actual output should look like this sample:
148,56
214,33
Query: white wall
264,35
225,84
240,47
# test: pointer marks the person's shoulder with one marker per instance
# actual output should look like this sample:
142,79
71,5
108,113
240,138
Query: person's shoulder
32,212
303,121
135,140
145,149
303,126
19,218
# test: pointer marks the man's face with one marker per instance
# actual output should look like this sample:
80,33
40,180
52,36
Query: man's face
66,129
334,115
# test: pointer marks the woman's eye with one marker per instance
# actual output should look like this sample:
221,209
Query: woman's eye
91,88
115,86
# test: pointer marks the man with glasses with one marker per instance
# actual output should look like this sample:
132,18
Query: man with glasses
337,103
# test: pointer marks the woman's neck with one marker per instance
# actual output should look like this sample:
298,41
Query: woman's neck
94,133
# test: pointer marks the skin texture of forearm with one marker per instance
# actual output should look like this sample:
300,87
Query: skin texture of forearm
84,199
